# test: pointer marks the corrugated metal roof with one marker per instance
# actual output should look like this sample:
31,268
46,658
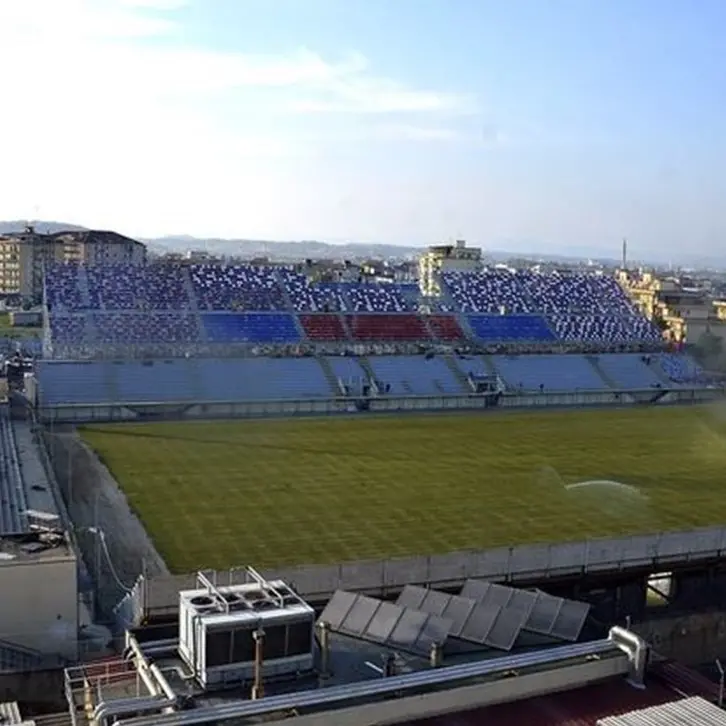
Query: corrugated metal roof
12,495
694,711
580,707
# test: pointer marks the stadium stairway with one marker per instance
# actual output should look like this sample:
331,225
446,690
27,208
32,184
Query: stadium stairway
346,327
463,380
465,327
365,364
329,374
189,290
489,363
659,371
594,361
429,330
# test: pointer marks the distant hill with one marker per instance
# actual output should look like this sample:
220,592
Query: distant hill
46,227
303,249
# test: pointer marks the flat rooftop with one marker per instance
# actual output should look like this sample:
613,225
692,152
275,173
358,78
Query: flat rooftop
330,490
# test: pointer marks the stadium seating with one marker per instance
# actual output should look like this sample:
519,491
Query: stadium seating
260,379
629,370
503,328
445,328
322,327
167,381
250,328
120,328
381,327
74,382
312,297
238,287
681,369
68,329
493,291
373,298
135,287
61,288
548,372
346,369
415,375
614,329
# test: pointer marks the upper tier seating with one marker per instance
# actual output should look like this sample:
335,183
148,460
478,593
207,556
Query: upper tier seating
402,327
374,298
62,288
501,328
414,375
142,328
68,329
552,372
135,287
321,327
239,287
250,328
445,328
629,370
681,368
490,291
577,293
318,297
604,328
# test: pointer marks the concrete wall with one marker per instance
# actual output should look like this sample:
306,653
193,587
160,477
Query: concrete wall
39,605
158,411
521,565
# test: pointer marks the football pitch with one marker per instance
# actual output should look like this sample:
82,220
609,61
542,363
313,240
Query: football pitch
296,491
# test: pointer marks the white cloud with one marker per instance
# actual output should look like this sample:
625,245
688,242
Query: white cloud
418,133
100,116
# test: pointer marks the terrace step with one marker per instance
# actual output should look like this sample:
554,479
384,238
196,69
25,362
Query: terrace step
595,363
329,374
193,304
463,380
365,364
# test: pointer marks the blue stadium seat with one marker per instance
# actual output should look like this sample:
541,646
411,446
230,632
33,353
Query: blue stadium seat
496,328
555,372
682,369
167,381
260,379
628,370
346,368
415,375
74,382
250,327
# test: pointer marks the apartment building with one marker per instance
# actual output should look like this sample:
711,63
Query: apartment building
25,255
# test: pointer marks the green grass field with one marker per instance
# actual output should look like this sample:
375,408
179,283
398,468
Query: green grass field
284,492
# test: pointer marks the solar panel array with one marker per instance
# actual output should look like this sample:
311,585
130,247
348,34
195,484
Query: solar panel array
385,623
556,617
482,623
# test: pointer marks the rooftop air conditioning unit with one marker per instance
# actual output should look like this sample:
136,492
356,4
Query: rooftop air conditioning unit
217,626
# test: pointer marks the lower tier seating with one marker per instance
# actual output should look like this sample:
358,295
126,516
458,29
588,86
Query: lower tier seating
408,375
548,373
681,369
322,327
250,328
629,370
384,327
502,328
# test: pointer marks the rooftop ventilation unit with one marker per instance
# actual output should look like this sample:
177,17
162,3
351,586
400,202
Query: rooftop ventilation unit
217,626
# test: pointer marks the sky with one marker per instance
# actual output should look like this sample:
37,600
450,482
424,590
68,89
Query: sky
539,125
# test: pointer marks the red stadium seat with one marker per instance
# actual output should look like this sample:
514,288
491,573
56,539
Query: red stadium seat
445,327
323,327
384,327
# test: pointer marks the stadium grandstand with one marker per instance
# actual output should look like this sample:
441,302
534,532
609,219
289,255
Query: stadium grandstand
167,333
